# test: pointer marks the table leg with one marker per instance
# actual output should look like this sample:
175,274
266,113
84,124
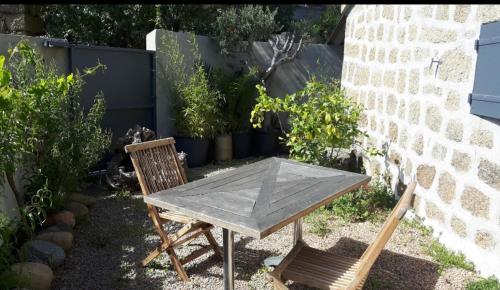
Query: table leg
297,231
228,243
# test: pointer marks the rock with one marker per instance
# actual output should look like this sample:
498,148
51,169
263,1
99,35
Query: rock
64,216
425,175
78,209
64,227
62,239
489,172
273,261
45,252
37,276
82,198
60,227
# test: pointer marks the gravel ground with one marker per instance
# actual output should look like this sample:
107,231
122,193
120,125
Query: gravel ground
118,233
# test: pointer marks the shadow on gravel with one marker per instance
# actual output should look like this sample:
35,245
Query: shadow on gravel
246,261
108,244
391,270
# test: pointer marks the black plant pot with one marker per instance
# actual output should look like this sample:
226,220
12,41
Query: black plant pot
282,148
266,143
242,144
197,150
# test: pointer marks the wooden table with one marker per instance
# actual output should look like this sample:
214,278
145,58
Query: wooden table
257,199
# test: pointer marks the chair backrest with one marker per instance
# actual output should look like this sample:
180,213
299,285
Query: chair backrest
373,251
157,165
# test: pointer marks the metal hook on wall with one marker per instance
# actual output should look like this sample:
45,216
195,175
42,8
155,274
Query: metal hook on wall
437,66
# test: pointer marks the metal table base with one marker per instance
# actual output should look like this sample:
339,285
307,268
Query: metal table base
228,243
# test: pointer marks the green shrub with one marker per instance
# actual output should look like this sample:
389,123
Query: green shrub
321,118
446,258
318,221
490,283
12,234
196,103
124,25
319,30
364,203
113,25
237,27
194,18
7,250
46,131
238,94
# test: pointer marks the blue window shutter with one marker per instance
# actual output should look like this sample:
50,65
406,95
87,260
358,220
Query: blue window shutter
485,97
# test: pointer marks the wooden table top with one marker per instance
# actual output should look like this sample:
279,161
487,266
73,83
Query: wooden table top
259,198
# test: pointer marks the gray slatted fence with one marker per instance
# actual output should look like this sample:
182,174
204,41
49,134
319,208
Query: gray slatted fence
127,83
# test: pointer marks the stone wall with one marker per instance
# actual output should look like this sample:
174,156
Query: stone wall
420,112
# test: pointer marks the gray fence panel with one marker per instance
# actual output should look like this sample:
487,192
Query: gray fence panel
127,84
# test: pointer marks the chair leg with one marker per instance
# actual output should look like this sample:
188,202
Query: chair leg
177,265
211,240
151,256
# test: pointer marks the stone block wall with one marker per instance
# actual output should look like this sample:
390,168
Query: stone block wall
419,111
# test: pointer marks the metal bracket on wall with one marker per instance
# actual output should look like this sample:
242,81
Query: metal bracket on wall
437,66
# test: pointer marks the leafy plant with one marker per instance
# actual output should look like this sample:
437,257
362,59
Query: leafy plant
238,94
446,258
318,221
319,30
322,120
46,131
124,25
195,104
194,18
236,28
490,283
34,212
114,25
8,230
123,193
365,203
418,225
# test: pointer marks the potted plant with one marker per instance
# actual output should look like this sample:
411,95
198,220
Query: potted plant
267,140
238,93
246,93
223,82
195,102
322,121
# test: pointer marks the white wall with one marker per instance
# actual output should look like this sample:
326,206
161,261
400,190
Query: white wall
422,113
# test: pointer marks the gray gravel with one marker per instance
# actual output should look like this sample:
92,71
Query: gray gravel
118,233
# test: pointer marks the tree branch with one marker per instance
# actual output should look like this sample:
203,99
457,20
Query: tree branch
282,54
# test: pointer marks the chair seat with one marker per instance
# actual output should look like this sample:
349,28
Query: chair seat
176,217
321,269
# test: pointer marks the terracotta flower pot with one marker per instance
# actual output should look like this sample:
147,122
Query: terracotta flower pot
223,147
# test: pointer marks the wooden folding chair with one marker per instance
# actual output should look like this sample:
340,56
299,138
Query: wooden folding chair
324,270
158,168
